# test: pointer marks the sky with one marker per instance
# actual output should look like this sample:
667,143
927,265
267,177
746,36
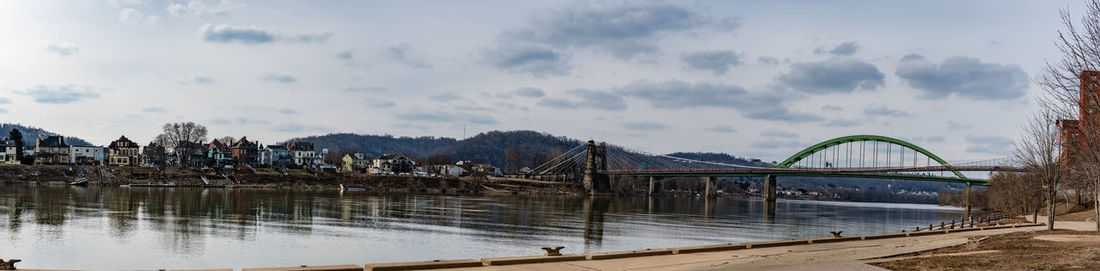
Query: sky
758,79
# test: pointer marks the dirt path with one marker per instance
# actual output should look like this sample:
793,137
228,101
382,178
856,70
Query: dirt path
829,256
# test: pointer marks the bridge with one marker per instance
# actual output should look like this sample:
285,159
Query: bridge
857,156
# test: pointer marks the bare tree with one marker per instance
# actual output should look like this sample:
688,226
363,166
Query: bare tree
1068,96
179,136
227,140
1038,151
1014,192
514,158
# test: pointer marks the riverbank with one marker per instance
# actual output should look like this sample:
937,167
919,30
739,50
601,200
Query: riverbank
285,179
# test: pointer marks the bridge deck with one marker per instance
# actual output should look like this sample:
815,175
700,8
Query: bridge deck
875,173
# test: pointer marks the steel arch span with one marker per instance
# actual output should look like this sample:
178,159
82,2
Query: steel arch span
816,148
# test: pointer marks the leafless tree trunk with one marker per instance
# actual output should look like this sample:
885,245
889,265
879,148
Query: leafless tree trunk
1038,151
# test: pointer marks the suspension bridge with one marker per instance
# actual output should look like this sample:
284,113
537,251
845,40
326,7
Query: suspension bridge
857,156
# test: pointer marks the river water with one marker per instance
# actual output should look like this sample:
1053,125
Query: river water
149,228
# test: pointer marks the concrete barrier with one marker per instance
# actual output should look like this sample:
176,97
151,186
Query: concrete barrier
834,239
888,235
923,233
709,248
423,265
962,230
346,267
628,254
532,259
776,243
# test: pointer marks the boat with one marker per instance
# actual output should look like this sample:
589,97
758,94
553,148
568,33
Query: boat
79,182
351,189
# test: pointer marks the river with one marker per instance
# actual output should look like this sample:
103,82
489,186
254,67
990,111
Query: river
101,228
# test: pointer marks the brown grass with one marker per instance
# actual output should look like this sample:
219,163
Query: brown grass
1014,251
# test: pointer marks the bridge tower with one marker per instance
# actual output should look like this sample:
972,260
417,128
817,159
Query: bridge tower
594,182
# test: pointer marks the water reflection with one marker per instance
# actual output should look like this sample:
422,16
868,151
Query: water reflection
213,228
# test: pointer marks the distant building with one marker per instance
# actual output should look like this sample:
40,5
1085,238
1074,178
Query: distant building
218,154
302,154
245,152
394,162
189,154
51,151
154,155
87,155
122,152
275,156
8,152
356,162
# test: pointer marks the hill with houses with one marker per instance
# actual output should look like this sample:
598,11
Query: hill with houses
30,133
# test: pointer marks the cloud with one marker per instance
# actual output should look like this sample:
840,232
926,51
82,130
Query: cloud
767,60
255,35
953,125
379,103
133,16
374,88
447,117
835,75
196,8
529,92
294,128
400,52
842,123
155,110
831,108
590,99
844,49
778,133
537,60
60,94
726,129
623,30
446,97
346,55
279,78
881,110
62,48
995,145
643,126
677,94
964,77
4,101
288,111
244,121
197,78
718,61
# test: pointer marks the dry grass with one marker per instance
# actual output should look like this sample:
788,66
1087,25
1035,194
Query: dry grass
1013,251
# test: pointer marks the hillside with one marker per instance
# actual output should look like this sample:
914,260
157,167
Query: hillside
489,146
30,133
721,158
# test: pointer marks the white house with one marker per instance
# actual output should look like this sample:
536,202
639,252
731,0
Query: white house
87,155
8,153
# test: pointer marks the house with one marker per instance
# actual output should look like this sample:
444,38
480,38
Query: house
154,155
302,154
51,151
394,162
122,152
189,154
245,152
275,156
87,155
356,162
457,171
9,153
218,154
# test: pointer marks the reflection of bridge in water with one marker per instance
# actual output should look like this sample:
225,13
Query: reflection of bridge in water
858,156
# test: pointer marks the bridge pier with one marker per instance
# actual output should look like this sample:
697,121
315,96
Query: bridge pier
652,185
967,215
769,194
593,181
712,186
